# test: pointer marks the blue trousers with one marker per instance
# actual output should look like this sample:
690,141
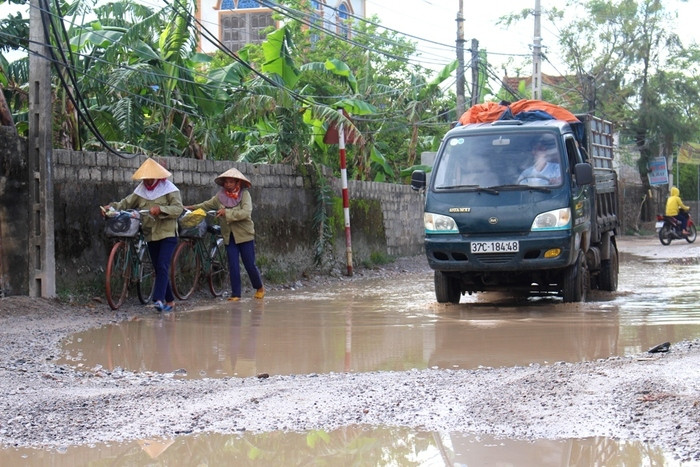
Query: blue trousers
246,252
682,216
161,254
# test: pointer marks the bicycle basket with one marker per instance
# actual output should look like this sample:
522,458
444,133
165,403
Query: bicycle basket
123,225
197,231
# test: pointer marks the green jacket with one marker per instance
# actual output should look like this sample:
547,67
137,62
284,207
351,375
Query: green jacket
238,218
165,225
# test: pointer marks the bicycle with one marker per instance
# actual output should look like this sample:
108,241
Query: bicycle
201,249
129,260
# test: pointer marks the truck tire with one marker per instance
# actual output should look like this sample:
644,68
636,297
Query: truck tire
609,269
446,288
576,281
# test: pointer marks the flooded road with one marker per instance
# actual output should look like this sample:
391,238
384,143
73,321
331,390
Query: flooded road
395,324
370,325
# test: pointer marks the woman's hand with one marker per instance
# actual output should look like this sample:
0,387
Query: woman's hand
221,212
155,210
189,208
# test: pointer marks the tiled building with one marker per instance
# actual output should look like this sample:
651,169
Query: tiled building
239,22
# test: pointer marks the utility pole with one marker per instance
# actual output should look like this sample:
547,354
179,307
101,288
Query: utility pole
476,98
537,55
460,60
41,247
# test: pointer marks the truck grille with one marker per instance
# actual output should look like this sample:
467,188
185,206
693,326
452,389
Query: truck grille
498,258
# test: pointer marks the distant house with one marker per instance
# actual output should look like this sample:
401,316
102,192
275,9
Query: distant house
566,88
236,23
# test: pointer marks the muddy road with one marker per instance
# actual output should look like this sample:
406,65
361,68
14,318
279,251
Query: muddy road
52,401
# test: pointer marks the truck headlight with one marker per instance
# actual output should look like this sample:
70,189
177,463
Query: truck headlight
437,223
558,219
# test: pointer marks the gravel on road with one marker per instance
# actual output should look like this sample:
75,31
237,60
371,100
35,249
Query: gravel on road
646,397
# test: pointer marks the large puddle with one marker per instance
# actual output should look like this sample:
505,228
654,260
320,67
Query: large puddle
384,325
396,325
352,445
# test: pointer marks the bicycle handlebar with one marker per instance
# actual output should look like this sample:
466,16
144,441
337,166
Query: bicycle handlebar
142,212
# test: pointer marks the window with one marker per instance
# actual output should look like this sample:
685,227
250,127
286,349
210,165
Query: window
239,27
316,20
343,20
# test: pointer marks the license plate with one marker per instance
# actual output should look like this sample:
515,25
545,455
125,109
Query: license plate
659,224
495,247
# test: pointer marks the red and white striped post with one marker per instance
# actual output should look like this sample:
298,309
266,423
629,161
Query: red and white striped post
346,198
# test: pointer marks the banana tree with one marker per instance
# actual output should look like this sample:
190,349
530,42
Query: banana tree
139,73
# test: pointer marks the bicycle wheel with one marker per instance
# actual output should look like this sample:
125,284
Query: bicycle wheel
218,270
147,276
185,269
117,275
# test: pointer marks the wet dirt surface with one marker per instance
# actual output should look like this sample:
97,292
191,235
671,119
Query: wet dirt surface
342,353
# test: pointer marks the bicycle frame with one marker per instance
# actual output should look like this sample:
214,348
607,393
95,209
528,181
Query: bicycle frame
129,262
198,256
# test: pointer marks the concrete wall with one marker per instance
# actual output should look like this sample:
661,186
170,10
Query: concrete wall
385,219
14,214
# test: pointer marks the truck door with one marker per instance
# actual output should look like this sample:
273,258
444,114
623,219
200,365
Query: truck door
580,194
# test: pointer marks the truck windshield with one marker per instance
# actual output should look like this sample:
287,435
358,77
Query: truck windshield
508,161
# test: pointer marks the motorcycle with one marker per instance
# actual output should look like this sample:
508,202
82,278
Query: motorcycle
669,228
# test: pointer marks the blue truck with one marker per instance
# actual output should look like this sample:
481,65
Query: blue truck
522,205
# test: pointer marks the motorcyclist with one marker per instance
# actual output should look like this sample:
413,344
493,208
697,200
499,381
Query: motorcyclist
676,208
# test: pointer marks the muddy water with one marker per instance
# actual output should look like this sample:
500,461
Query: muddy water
352,445
384,325
395,325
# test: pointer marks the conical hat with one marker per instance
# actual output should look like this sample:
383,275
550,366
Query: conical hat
150,169
232,173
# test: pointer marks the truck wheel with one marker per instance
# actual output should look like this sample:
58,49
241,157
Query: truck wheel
576,281
609,269
446,288
665,235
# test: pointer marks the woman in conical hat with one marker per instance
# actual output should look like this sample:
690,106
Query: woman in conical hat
161,198
234,206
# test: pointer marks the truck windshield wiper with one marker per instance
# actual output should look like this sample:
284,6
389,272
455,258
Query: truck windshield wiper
543,189
478,188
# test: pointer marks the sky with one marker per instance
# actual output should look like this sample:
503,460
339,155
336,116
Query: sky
435,20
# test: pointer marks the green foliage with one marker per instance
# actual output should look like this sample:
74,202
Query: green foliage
322,224
637,73
147,87
377,258
689,179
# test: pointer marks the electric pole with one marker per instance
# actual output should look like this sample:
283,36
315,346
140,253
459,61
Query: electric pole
460,60
476,98
537,55
41,247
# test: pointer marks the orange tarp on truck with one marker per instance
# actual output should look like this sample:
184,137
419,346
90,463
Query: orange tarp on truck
492,111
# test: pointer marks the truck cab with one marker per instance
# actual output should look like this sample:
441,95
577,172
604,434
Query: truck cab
509,205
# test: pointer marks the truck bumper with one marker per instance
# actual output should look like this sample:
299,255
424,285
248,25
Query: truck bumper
452,253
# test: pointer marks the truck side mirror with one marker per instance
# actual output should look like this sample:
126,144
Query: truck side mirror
584,173
418,180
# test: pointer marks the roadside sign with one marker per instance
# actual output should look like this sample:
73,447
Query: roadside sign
658,172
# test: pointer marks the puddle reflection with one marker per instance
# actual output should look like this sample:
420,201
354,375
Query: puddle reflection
352,445
397,325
